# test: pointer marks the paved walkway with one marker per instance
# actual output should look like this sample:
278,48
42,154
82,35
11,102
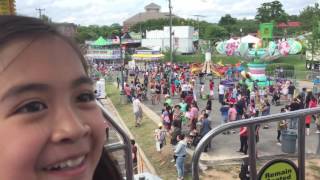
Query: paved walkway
224,147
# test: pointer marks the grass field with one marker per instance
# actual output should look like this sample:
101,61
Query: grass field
144,137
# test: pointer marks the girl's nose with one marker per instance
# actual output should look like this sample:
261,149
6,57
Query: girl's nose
69,126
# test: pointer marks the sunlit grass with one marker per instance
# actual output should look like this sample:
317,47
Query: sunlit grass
144,137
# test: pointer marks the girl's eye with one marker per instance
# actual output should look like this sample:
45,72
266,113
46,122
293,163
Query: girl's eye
86,97
32,107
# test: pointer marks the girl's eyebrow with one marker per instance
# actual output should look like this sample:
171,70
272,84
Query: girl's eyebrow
80,81
20,89
38,87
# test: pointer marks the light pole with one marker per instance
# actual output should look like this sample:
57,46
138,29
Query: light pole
122,94
198,16
40,12
170,30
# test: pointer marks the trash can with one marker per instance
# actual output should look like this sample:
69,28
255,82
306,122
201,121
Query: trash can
289,139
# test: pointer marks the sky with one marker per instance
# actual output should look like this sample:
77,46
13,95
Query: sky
107,12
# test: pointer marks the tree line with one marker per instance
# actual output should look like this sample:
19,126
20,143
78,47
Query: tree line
227,26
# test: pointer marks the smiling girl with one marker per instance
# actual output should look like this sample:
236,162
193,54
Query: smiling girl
50,125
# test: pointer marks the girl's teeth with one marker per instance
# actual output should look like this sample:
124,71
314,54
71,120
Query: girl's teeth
67,164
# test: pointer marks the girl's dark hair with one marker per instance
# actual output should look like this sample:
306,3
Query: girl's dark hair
13,27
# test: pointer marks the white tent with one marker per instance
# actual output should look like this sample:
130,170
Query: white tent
249,39
231,40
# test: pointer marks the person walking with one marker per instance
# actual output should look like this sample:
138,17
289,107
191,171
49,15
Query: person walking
243,139
291,90
293,123
160,137
232,115
137,110
313,103
221,92
211,89
205,128
180,153
208,106
282,126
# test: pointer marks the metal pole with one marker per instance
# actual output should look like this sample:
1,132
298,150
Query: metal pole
122,77
40,10
170,30
318,148
301,147
252,152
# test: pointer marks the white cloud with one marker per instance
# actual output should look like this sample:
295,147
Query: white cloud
106,12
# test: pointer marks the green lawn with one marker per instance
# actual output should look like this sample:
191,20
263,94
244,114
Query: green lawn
144,137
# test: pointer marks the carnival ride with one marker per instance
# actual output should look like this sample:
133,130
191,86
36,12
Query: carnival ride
217,69
259,50
247,48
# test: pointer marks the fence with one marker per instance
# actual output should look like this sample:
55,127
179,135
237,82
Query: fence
250,123
293,74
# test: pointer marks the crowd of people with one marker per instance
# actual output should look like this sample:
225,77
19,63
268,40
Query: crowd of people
185,121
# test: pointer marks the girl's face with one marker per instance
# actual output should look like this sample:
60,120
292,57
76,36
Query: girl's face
50,125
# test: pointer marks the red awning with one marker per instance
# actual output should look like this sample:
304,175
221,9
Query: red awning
289,24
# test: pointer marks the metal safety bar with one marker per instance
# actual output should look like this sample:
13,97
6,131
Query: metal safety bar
126,146
301,114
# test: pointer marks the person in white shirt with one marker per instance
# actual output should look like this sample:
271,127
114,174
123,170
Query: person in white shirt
221,92
137,110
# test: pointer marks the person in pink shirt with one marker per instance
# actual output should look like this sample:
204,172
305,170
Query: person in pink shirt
211,88
194,111
127,91
232,114
312,104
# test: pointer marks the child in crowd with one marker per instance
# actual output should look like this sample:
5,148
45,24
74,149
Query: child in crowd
282,125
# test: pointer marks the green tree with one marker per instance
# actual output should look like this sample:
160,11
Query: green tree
215,33
271,11
309,17
247,26
227,20
45,18
93,32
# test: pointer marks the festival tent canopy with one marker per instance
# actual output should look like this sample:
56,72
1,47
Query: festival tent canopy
100,42
147,57
249,39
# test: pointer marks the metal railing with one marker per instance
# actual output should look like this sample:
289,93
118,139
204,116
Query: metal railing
250,123
126,146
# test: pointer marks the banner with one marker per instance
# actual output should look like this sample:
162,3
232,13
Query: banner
266,30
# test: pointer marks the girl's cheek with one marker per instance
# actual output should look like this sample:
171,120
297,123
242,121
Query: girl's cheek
20,146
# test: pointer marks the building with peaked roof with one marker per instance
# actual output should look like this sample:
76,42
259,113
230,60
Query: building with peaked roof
7,7
152,11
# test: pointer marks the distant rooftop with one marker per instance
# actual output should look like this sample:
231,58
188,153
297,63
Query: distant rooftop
152,12
152,7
